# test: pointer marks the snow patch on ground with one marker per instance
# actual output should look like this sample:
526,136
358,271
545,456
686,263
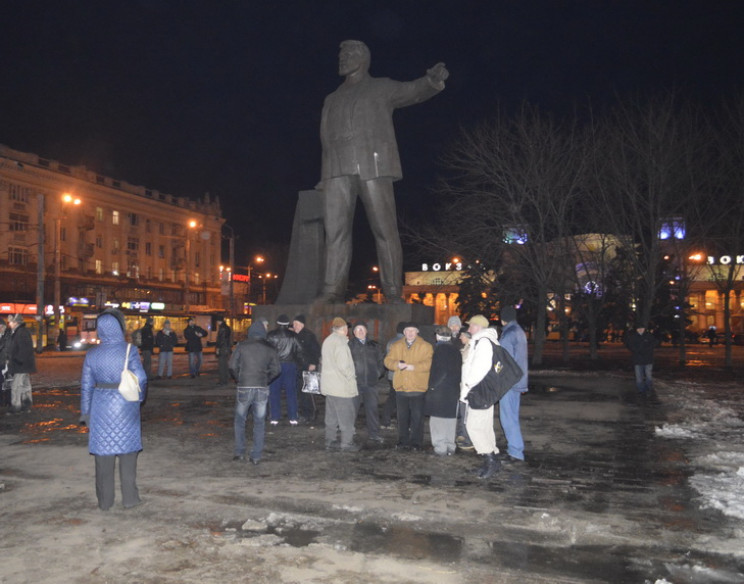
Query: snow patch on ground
716,448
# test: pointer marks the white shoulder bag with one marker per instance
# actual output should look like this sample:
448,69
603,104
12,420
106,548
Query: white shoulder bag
129,385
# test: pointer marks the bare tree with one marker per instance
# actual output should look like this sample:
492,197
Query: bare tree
515,179
647,177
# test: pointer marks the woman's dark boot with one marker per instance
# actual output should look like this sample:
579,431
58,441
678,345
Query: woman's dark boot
482,468
492,466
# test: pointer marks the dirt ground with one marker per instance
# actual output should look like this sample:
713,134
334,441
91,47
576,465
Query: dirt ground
599,499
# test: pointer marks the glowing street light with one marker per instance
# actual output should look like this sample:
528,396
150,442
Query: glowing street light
67,199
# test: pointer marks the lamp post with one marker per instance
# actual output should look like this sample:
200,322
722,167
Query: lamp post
67,199
40,275
231,270
259,260
186,292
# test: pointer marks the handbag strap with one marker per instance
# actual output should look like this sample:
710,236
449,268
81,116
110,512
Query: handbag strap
126,359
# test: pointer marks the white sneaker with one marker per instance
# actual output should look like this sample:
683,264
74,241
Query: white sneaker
274,422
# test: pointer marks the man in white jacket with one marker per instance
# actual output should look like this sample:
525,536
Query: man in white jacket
479,423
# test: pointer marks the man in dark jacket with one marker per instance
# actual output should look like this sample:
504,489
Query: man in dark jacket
443,394
310,359
369,368
641,344
290,356
166,340
4,338
253,365
223,348
21,364
193,335
146,347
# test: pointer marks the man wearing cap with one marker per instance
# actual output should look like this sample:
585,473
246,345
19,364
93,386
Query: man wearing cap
479,423
514,342
443,393
410,360
338,385
310,359
369,367
290,356
166,340
21,364
254,364
193,335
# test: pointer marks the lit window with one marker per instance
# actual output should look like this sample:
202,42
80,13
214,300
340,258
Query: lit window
99,267
99,214
515,234
115,268
115,217
673,228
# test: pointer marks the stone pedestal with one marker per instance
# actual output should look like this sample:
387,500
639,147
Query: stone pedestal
381,319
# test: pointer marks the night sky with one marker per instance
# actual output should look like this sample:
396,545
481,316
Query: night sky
225,96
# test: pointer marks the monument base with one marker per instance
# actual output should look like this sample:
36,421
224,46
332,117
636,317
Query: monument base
381,319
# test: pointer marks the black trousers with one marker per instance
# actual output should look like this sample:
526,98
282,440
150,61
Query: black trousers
410,418
105,487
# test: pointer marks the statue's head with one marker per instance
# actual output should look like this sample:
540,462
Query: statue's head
353,57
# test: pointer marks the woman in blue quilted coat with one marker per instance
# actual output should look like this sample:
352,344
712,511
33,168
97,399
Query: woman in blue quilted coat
114,422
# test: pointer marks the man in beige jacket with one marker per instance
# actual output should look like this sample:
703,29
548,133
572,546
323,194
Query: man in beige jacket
338,385
410,360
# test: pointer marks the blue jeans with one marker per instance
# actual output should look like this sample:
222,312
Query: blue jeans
644,380
287,380
247,398
509,418
195,362
165,363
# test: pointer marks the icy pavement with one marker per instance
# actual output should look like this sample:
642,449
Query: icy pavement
615,490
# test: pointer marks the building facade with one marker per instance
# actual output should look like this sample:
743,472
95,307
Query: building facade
103,242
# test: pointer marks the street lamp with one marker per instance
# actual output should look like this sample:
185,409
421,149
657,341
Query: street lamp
67,199
230,270
192,224
259,260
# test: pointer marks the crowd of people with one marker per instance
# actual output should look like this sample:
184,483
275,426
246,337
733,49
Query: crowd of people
421,381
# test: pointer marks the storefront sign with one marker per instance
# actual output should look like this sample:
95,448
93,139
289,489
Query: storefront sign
726,260
437,267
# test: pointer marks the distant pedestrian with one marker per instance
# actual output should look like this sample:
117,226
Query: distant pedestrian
193,335
442,396
166,340
4,387
477,364
514,342
310,349
115,428
21,364
641,344
338,385
223,348
410,360
254,364
369,368
62,339
290,356
147,345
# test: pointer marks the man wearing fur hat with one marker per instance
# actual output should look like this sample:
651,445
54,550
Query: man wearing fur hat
21,364
410,360
369,369
338,385
443,393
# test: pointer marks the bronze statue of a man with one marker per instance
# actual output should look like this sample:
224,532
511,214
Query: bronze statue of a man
360,158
